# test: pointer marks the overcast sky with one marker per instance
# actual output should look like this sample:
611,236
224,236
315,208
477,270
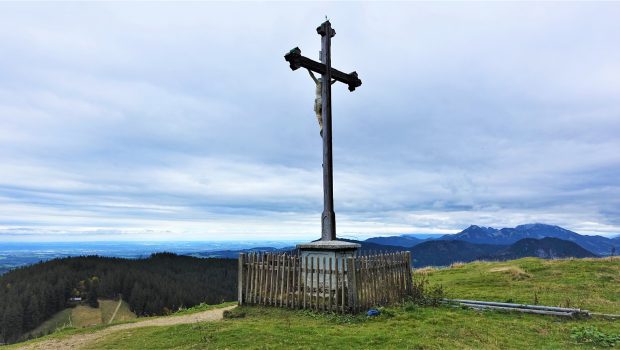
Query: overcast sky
182,121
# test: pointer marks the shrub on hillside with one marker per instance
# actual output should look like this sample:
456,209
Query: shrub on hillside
424,294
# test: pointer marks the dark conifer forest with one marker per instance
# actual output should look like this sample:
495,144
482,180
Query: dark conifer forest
161,284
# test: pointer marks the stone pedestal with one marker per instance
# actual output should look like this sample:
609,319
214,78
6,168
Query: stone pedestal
338,251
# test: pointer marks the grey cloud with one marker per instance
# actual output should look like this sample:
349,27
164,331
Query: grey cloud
170,118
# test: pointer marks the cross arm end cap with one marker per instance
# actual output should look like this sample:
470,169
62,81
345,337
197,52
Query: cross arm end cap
324,28
293,57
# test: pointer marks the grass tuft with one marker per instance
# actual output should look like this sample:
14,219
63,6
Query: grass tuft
515,272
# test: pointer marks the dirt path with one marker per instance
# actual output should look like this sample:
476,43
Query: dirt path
79,341
118,306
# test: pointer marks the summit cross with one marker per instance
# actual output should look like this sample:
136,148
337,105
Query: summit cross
296,60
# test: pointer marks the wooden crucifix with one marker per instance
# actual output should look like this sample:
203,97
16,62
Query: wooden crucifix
296,60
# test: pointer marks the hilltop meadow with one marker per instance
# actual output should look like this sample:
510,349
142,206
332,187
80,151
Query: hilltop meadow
592,284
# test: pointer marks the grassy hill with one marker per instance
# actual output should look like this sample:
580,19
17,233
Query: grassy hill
589,283
85,316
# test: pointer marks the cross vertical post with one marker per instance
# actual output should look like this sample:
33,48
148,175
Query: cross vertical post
328,219
329,76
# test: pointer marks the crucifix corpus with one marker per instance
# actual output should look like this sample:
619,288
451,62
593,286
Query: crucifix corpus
328,246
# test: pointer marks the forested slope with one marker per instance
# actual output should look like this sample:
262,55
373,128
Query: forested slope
155,286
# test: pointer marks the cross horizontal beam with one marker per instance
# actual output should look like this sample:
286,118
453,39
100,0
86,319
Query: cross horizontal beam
296,60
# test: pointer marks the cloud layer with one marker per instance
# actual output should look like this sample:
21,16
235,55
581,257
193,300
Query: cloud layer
183,122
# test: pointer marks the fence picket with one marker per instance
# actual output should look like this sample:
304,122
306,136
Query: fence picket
287,267
299,263
318,281
311,286
247,277
261,269
283,289
253,286
330,284
337,280
324,273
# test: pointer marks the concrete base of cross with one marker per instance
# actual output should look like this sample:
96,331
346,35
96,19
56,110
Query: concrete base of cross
319,253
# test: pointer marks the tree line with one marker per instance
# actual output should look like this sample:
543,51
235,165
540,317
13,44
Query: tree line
158,285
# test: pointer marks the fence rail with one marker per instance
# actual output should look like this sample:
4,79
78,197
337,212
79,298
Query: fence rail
350,284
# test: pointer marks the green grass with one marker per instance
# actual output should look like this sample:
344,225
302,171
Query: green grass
591,284
203,307
407,327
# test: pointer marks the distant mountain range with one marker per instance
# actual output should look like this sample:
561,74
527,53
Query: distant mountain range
402,241
507,236
488,235
476,243
441,252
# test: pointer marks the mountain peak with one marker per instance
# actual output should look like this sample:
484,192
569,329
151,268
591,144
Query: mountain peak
537,225
475,230
482,228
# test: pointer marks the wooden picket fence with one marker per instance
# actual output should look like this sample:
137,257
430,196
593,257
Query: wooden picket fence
344,285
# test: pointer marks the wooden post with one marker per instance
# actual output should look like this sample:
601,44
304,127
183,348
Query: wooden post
324,283
352,284
408,275
365,280
318,278
343,290
269,275
252,278
266,275
240,280
264,278
247,278
336,294
276,279
298,269
282,281
390,272
383,280
311,296
400,275
259,282
404,263
328,222
305,280
330,284
256,275
287,266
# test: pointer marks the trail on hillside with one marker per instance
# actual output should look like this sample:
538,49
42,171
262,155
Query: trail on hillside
79,341
118,306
